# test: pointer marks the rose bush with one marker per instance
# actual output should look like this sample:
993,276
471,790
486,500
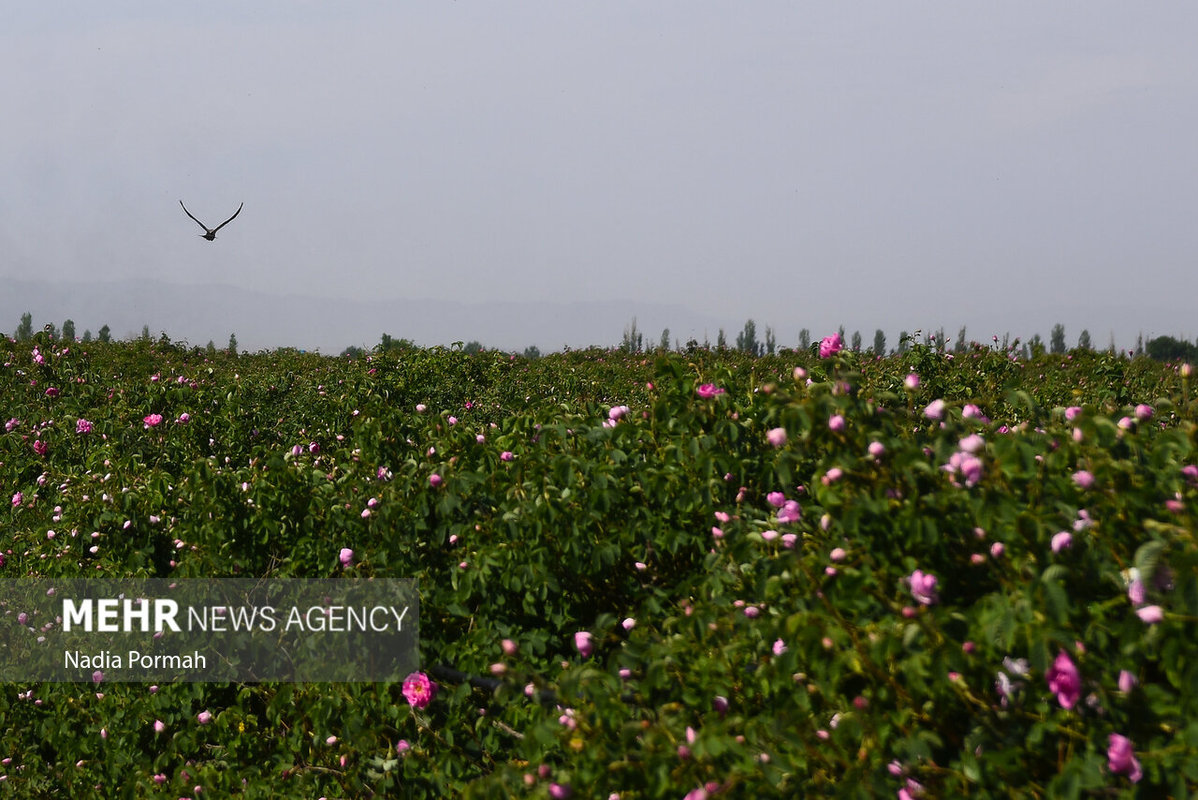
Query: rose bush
899,602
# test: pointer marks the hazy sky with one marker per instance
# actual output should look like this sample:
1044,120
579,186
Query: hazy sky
886,164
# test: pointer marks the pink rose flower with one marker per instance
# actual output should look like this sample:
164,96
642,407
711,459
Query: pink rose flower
152,420
418,690
830,345
585,642
1064,680
1151,614
1121,758
923,587
776,436
790,512
346,556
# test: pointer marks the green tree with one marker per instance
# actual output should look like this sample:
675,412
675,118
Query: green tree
746,340
721,341
145,333
804,339
879,343
473,347
87,335
856,342
960,346
1166,348
664,342
105,334
1057,339
232,344
771,343
904,341
532,352
1083,341
634,340
68,330
25,329
1037,346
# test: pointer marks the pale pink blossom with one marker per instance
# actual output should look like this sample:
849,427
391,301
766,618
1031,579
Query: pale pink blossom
1151,614
790,512
923,587
776,436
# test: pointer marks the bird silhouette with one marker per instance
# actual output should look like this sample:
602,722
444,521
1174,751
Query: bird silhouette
210,233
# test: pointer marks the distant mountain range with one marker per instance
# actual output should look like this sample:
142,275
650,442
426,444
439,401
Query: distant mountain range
211,312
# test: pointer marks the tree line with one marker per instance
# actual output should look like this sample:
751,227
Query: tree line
24,332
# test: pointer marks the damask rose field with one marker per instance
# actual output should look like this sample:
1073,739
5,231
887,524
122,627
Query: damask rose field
684,575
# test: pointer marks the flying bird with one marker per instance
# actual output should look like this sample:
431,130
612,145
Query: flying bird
210,233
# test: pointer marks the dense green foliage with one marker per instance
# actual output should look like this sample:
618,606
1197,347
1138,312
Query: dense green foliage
709,568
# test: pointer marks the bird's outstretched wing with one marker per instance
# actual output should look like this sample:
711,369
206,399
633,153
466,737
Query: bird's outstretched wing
230,219
188,213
